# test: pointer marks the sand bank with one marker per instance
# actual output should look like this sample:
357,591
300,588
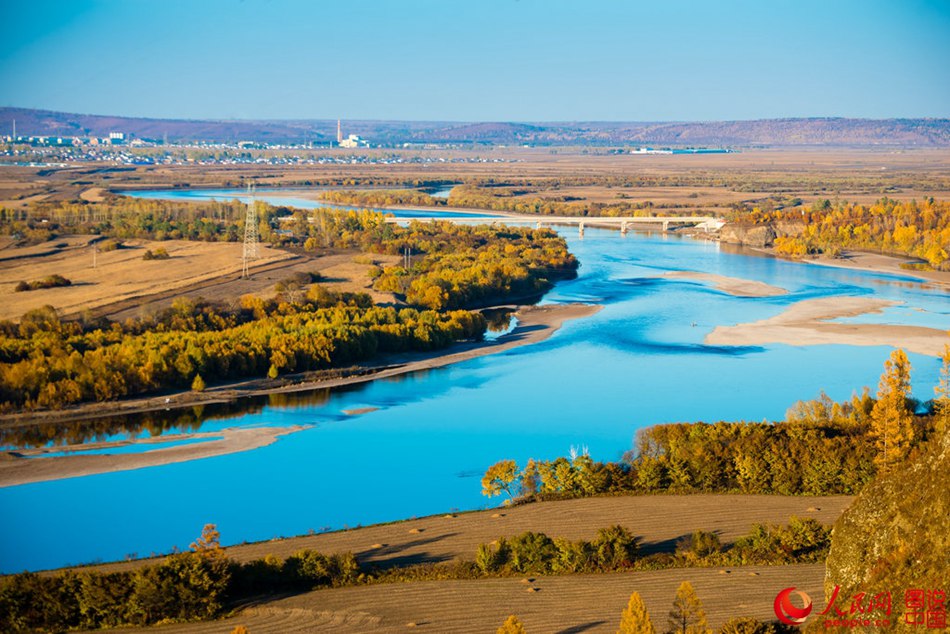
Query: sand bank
877,263
806,323
732,285
29,465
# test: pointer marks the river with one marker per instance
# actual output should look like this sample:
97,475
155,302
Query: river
639,361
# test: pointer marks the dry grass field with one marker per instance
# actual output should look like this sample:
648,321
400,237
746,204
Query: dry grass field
556,604
546,605
658,520
123,285
119,275
890,167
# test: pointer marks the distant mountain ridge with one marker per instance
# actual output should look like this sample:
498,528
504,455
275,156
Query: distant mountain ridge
828,131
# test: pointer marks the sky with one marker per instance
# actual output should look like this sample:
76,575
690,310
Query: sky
478,60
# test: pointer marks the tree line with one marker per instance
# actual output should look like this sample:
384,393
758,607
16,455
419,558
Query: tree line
914,228
382,198
203,583
451,266
821,448
48,363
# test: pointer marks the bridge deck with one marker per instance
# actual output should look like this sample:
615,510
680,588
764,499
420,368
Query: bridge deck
571,220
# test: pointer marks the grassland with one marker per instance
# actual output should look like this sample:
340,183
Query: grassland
122,285
546,605
861,175
658,520
557,604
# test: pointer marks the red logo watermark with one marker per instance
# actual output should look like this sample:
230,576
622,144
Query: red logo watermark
923,608
787,612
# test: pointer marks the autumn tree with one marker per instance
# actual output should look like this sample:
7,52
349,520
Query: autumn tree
198,385
891,418
942,394
687,615
511,626
209,544
746,625
499,479
635,619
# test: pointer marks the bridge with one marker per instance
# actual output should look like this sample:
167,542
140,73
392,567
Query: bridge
707,223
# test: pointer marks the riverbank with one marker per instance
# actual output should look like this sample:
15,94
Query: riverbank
878,263
535,324
29,465
808,323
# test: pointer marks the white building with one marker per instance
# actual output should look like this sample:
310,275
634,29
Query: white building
353,141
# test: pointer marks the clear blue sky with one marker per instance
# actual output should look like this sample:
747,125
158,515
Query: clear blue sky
486,60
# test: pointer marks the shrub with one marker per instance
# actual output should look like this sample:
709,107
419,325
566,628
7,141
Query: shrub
532,552
158,254
615,546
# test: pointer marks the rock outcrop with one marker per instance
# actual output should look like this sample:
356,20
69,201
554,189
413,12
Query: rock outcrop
760,236
896,534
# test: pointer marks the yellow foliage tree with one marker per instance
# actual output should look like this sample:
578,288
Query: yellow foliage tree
687,615
511,626
209,544
198,385
635,619
891,419
499,478
942,394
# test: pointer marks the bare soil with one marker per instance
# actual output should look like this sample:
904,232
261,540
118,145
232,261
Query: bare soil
658,520
545,605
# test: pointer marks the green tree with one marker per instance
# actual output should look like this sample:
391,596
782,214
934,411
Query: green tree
687,615
635,619
892,419
511,626
499,479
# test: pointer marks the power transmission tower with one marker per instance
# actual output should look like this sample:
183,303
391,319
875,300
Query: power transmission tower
251,237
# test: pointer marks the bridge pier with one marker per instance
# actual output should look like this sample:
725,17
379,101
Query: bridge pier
666,226
623,228
580,229
539,224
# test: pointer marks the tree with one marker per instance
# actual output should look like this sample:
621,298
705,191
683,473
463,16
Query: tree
746,625
892,419
499,478
942,394
209,543
687,615
511,626
635,619
198,385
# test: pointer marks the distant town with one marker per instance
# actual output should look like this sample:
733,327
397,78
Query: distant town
125,149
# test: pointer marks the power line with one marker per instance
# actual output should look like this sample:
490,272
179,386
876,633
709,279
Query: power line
251,236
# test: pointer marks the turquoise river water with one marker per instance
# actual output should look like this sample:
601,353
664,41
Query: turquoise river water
639,361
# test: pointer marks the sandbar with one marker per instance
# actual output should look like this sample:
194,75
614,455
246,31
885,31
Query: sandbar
880,263
731,285
806,323
29,465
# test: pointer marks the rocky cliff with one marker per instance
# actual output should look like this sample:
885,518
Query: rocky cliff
896,534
